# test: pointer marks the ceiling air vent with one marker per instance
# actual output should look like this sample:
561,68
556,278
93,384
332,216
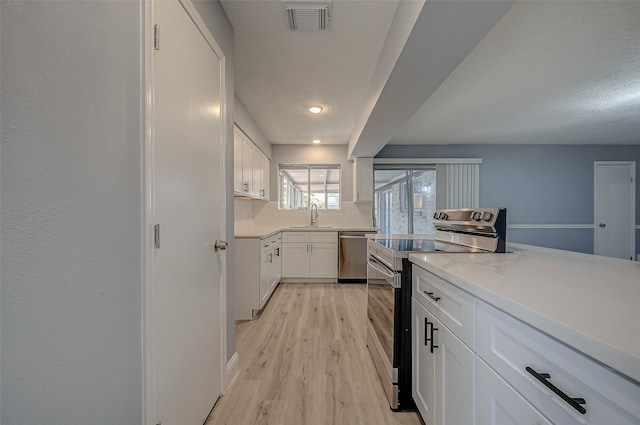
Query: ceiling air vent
308,15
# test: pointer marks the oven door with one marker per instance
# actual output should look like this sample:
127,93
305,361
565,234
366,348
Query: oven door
382,293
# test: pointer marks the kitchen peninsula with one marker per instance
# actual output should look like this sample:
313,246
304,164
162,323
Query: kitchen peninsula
547,322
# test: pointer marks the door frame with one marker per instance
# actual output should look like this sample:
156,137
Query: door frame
632,228
148,137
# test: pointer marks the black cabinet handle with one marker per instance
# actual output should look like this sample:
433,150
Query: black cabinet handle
573,402
430,331
426,327
430,295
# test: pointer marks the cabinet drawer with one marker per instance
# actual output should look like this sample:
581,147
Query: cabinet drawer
509,346
454,307
323,237
267,243
497,403
295,236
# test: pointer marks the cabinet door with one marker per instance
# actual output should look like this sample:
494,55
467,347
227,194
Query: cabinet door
442,371
423,363
323,260
295,259
247,167
497,403
265,277
237,161
454,376
277,263
363,180
261,179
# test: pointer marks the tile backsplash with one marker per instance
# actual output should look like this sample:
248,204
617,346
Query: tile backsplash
260,214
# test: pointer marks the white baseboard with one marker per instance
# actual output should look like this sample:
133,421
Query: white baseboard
233,368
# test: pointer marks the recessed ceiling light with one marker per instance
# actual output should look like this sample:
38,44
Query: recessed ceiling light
316,141
315,109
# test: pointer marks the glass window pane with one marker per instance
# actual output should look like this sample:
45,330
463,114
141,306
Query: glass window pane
404,199
302,185
424,200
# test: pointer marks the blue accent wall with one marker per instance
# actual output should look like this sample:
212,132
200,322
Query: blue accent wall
538,184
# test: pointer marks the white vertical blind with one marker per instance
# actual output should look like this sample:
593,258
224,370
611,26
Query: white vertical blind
457,186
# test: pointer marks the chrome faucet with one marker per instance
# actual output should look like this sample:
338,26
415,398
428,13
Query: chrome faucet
314,217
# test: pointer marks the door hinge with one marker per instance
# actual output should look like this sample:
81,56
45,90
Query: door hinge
156,37
156,236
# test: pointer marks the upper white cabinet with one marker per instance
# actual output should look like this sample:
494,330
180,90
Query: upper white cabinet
311,255
363,180
251,168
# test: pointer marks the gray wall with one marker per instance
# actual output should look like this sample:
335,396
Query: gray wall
539,184
216,20
71,284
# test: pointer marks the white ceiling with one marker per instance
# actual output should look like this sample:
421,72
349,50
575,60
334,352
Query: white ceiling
468,72
280,73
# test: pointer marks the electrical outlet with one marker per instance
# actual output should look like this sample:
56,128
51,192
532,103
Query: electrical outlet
351,217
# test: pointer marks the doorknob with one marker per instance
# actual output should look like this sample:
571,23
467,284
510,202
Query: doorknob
602,225
220,245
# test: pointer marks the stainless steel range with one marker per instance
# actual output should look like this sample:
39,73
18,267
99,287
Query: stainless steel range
481,230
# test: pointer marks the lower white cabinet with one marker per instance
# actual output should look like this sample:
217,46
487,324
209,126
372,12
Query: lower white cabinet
443,371
497,403
257,273
310,255
550,375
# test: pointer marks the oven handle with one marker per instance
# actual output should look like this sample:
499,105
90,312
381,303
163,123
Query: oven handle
378,265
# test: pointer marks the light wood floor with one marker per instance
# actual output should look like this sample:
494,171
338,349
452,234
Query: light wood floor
304,361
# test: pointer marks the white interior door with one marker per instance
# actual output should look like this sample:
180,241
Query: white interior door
188,195
614,209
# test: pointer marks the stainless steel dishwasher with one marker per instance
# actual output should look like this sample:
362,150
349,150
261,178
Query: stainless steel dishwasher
352,264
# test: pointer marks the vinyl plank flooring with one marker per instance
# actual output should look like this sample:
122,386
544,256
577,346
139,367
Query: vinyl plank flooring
304,361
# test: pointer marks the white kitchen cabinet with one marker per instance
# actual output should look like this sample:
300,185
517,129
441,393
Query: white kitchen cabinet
257,273
423,365
310,255
442,370
363,180
238,167
251,168
515,351
261,174
295,259
451,305
499,404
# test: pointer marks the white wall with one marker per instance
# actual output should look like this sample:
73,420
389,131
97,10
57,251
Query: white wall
71,284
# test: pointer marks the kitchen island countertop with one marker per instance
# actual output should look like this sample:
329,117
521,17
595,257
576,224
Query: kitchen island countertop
591,303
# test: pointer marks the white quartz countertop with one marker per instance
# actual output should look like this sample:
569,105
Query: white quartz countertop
260,232
589,302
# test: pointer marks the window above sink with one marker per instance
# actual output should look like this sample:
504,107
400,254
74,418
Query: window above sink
302,185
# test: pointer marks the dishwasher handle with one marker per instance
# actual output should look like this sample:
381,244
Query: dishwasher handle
352,237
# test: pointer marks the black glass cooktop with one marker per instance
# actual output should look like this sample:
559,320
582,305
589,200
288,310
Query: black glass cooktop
408,244
423,245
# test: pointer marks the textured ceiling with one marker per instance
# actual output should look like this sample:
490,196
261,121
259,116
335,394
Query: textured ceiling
546,72
280,73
